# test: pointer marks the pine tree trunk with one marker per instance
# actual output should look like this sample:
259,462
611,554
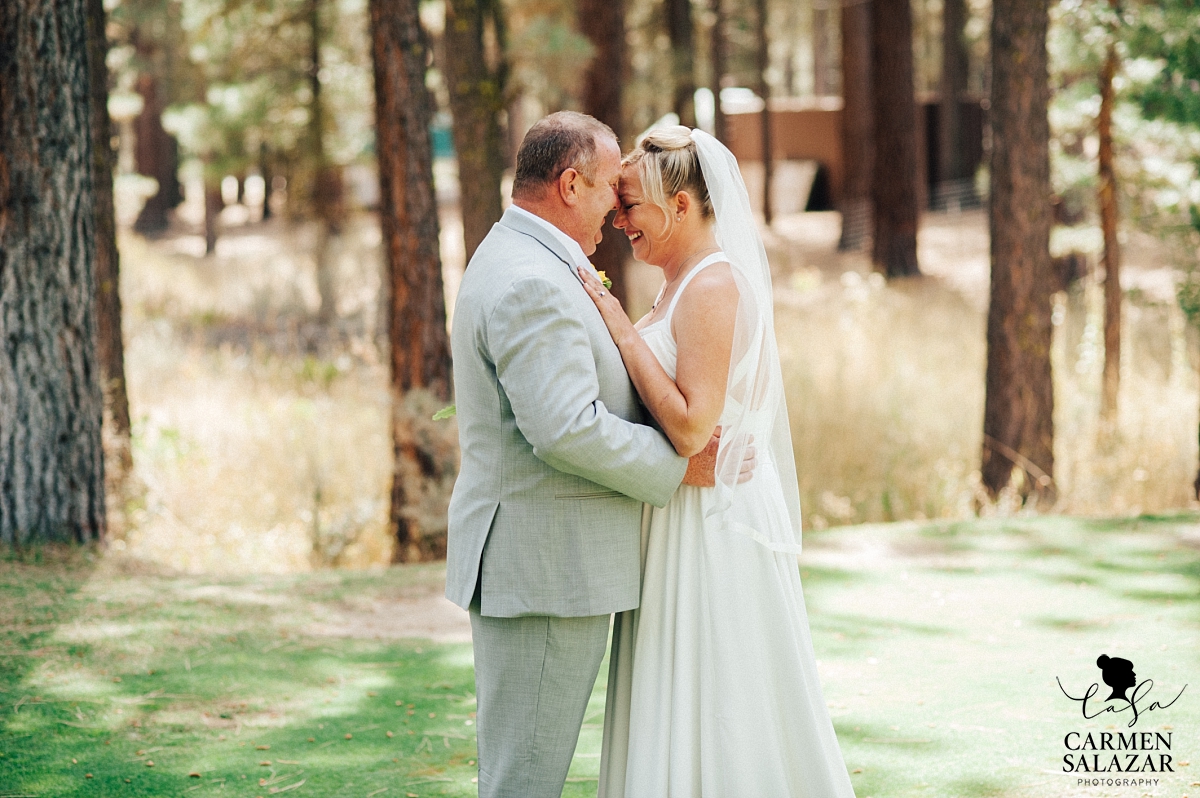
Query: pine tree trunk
603,23
327,200
857,127
477,96
213,204
822,85
764,91
420,346
1018,422
955,185
268,177
110,348
717,46
155,154
894,176
1112,248
680,32
51,405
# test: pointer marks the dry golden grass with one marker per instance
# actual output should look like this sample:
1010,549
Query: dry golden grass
262,442
886,381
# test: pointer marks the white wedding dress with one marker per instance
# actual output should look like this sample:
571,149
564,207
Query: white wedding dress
713,689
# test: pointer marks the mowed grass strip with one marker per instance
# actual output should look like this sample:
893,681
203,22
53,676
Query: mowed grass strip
941,646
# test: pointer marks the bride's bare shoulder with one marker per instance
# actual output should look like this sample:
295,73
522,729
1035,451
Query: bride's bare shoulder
709,305
713,285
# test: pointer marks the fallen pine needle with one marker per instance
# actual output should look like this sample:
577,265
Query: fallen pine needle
300,783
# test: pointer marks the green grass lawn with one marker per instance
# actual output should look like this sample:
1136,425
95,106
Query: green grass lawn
939,647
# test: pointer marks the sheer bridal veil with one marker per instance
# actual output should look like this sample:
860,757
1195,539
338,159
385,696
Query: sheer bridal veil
755,412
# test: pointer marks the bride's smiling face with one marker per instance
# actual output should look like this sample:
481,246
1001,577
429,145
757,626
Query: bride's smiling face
642,221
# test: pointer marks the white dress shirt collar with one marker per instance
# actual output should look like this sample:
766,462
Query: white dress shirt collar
572,246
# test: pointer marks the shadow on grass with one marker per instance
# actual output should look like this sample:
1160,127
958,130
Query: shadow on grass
979,788
1112,554
863,627
859,732
38,587
153,680
1072,624
884,761
817,574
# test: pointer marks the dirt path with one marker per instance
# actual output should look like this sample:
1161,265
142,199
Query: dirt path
424,614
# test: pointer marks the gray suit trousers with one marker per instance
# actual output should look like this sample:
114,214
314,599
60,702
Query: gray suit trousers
533,677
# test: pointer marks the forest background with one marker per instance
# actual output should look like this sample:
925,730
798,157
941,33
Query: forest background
987,307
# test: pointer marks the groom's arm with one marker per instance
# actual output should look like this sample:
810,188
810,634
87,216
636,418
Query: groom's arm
544,361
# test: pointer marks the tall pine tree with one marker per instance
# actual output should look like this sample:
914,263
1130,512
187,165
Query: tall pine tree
420,346
51,458
477,77
603,23
894,176
1018,423
110,345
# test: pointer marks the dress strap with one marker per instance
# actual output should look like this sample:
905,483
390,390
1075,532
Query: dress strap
716,257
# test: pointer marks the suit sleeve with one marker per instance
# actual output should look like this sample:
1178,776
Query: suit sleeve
544,362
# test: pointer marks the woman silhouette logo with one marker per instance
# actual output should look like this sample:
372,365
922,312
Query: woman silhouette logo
1118,674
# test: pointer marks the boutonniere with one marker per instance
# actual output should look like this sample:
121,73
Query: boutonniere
603,277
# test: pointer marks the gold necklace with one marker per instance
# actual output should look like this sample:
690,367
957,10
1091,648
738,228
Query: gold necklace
681,273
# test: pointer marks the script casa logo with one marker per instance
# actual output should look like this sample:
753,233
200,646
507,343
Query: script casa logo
1120,752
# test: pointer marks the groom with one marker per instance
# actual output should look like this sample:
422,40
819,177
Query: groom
543,542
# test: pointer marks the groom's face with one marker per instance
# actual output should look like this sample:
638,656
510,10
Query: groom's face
597,199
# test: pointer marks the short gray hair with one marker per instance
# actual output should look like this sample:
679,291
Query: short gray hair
561,141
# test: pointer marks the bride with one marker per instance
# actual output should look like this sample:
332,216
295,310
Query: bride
713,688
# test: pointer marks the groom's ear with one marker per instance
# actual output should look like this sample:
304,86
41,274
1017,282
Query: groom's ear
567,188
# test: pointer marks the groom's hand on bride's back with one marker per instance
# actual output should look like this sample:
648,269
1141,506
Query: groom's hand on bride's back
702,467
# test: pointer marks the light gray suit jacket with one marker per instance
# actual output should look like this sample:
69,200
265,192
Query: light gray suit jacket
555,462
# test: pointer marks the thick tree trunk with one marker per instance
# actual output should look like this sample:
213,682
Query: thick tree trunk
894,176
764,91
680,32
477,96
857,127
955,184
1112,248
110,348
51,405
603,23
717,45
155,154
420,346
1018,422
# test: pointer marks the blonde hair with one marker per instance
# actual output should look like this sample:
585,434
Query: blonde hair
666,162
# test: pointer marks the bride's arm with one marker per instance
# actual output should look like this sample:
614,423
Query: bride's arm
688,407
